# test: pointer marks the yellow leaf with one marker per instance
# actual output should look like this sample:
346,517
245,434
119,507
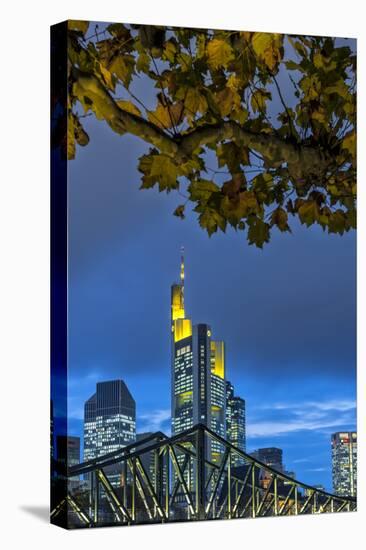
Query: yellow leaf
258,100
129,107
107,75
70,137
324,63
268,47
227,100
319,115
195,101
233,82
166,117
74,25
349,143
219,53
122,67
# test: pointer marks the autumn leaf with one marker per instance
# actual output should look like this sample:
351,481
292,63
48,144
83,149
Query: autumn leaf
219,53
258,100
227,99
70,137
179,211
309,212
167,116
279,218
210,219
219,110
202,189
194,101
75,25
268,47
349,143
258,232
122,67
129,107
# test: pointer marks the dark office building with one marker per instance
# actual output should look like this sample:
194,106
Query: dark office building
271,456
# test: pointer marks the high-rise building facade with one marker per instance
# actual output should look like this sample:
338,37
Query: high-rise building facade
68,454
109,419
197,372
344,463
68,450
235,422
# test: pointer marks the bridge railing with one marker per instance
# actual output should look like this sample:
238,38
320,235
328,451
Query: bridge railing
180,478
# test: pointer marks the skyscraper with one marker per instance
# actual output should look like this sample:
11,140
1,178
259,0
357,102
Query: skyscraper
235,422
198,372
109,419
68,450
271,456
344,463
68,453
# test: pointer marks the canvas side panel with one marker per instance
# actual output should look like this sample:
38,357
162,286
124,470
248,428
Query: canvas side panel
58,267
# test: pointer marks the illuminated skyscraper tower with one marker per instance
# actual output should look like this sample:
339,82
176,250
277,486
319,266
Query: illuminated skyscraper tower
198,371
344,463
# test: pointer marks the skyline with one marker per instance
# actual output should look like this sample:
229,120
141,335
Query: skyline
286,313
261,433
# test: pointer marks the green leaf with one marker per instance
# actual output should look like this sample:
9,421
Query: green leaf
210,219
258,232
309,212
143,63
201,190
165,171
337,222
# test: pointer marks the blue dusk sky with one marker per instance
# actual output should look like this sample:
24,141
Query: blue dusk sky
287,313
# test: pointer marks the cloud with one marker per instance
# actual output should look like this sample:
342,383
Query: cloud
261,429
329,405
154,421
290,417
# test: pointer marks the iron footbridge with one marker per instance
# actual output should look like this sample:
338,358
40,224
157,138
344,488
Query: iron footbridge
195,475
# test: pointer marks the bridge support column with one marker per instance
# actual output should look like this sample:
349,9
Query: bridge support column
200,473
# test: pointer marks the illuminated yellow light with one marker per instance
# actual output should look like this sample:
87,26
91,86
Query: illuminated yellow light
185,398
177,302
182,329
218,358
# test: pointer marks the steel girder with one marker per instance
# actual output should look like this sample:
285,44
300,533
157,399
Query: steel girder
162,479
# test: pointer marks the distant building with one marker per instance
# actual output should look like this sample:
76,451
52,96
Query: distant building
147,459
68,453
109,421
271,456
52,433
344,463
68,450
235,422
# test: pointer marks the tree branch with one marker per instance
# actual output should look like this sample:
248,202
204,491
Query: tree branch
303,159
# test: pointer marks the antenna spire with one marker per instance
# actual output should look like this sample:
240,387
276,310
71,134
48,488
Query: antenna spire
182,271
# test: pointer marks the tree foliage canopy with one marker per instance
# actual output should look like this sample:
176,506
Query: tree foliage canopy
252,128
